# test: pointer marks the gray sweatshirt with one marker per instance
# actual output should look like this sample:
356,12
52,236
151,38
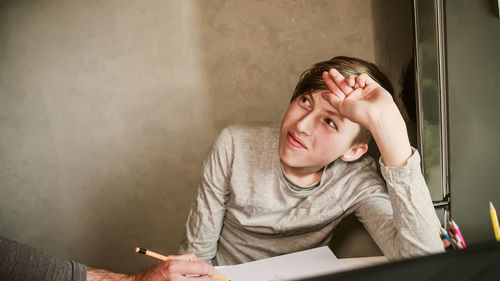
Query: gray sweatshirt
245,209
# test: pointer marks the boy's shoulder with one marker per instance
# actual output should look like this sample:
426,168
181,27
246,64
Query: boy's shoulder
253,130
252,139
363,168
359,177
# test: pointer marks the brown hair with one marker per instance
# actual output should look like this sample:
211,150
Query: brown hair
312,80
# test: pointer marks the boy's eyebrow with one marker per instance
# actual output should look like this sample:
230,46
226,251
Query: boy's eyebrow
336,114
328,111
331,112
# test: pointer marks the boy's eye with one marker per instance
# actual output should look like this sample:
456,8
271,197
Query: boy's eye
330,123
304,100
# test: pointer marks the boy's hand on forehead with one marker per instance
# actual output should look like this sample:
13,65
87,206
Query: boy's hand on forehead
359,98
364,101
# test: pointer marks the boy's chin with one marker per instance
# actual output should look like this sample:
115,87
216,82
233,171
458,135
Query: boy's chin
291,162
298,164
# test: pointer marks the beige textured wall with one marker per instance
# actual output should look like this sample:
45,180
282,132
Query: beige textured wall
107,108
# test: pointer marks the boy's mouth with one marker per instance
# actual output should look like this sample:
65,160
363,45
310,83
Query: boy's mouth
295,141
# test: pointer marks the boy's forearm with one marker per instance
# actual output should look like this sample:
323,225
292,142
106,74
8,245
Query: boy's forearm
413,212
389,132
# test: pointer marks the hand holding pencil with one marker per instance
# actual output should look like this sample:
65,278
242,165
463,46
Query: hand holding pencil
184,267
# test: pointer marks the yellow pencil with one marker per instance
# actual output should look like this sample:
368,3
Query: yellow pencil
165,258
494,221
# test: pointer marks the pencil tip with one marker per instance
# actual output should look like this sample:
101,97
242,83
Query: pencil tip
491,205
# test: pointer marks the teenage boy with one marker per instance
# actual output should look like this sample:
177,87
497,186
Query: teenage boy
267,190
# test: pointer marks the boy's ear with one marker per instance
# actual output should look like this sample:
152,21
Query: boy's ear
355,152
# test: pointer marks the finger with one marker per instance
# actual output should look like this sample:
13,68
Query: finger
351,81
185,257
189,267
355,95
196,278
340,81
332,99
332,85
363,80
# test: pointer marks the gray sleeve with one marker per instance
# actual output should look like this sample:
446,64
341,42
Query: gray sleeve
207,212
20,262
405,224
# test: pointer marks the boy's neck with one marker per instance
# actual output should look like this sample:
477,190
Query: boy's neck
303,176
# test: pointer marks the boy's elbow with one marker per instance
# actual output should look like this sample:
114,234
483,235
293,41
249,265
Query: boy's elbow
415,249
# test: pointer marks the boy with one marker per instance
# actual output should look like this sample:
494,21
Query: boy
268,190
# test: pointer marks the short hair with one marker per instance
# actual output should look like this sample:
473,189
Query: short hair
312,80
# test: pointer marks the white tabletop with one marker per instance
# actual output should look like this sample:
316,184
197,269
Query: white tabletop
355,263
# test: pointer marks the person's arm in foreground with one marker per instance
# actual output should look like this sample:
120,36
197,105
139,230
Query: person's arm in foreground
406,224
171,270
19,262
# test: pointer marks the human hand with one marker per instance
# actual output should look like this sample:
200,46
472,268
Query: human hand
364,101
360,98
176,269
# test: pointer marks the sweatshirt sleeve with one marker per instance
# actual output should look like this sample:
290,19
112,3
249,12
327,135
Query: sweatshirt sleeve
20,262
405,224
207,212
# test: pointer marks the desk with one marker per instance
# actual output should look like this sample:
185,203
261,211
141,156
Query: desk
355,263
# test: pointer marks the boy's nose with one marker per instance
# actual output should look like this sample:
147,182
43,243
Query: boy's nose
305,125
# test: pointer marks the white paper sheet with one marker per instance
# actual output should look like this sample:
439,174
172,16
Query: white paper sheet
299,265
